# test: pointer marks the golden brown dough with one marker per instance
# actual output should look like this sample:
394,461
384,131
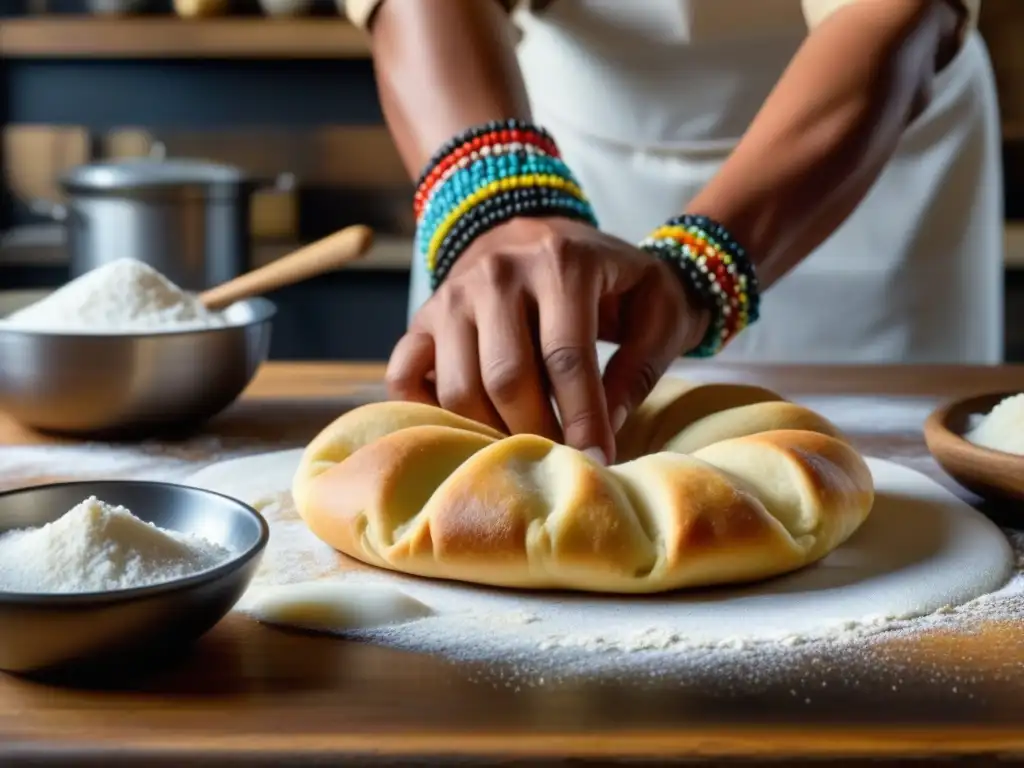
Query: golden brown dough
721,483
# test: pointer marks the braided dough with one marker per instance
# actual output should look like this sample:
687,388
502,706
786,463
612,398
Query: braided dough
720,483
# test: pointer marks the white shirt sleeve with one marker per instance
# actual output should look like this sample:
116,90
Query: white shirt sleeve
816,11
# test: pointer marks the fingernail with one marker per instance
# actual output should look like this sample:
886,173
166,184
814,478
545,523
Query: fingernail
597,455
618,418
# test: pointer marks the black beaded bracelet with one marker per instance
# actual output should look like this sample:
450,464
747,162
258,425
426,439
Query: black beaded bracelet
531,202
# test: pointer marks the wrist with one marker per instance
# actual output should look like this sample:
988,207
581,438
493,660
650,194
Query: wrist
700,314
485,177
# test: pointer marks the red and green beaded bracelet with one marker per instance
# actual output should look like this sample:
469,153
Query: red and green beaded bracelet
716,267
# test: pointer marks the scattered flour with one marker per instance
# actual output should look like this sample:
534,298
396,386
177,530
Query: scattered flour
1002,429
571,636
520,649
123,296
575,638
97,547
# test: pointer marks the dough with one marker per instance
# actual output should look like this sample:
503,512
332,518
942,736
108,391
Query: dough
330,606
722,483
920,549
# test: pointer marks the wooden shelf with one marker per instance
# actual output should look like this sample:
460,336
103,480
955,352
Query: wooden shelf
171,37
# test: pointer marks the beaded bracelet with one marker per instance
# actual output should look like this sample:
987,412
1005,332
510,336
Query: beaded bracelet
710,261
536,201
484,177
480,135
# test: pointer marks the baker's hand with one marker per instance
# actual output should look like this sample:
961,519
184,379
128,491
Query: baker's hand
516,322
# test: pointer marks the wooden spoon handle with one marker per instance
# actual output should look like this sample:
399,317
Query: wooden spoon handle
326,255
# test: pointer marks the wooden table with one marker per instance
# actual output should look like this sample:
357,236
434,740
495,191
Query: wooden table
250,695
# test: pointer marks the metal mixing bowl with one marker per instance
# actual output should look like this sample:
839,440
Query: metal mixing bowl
131,385
43,632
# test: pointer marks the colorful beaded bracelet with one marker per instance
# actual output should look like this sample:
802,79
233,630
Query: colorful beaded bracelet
536,201
507,131
484,177
465,179
462,158
710,261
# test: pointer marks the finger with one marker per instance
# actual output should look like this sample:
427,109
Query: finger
409,371
651,342
568,338
460,386
512,374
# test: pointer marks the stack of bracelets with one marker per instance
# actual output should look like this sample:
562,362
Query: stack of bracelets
710,261
484,177
502,170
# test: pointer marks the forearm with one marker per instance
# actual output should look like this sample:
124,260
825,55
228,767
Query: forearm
827,130
442,67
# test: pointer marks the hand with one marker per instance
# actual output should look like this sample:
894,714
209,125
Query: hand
516,322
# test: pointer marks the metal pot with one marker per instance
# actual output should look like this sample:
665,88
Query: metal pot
188,219
115,7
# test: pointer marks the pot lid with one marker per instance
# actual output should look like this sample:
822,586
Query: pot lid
145,173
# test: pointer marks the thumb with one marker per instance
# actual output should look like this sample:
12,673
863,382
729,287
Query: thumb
654,336
630,376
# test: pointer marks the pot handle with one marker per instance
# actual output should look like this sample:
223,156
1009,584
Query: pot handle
54,211
283,182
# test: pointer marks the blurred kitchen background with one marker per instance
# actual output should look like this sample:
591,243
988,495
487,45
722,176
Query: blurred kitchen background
282,89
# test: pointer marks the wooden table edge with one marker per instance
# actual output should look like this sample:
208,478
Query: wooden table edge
765,742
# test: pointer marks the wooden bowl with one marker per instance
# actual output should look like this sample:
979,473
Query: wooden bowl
992,475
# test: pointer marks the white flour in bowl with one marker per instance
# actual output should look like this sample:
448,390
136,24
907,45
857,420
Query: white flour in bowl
1002,428
123,296
97,547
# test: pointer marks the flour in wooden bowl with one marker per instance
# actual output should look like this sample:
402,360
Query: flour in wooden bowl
120,297
1002,428
98,547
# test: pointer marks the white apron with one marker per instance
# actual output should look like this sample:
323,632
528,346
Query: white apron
647,98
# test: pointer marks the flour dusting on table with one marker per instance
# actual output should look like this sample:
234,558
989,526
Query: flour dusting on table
590,647
505,643
523,648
